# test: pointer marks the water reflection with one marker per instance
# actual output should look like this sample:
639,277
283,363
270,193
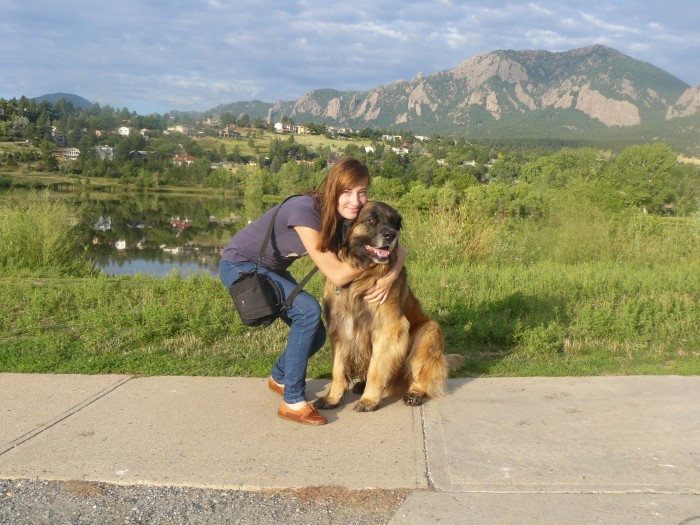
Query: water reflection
157,262
156,233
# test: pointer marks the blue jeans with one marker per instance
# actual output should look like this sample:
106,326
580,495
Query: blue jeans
307,333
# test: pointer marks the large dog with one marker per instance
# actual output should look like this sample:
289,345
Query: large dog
392,349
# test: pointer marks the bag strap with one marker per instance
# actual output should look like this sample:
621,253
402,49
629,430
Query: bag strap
290,299
268,233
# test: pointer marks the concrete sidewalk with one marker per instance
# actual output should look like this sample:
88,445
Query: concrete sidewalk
501,450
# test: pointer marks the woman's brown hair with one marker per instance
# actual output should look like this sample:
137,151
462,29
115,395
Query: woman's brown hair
346,174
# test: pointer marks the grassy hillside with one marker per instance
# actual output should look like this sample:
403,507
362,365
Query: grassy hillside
254,145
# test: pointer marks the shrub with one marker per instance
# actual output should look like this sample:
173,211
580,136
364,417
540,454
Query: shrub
39,236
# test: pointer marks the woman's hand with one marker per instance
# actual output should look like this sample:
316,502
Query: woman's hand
380,291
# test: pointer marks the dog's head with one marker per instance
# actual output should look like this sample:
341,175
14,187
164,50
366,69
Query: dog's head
374,235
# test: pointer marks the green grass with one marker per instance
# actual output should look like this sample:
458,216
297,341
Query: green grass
40,235
543,319
576,294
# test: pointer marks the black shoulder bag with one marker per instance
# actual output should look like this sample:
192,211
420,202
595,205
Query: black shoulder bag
257,298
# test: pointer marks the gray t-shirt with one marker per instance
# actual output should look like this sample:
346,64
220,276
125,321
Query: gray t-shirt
285,245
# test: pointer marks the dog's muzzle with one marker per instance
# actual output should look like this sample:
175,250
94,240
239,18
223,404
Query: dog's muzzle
382,245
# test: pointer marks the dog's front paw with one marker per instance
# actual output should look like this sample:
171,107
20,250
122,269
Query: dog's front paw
413,399
365,406
323,404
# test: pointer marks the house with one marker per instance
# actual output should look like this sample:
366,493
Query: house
59,139
230,166
105,152
66,153
490,163
179,160
399,151
422,138
146,133
142,155
182,128
230,132
124,131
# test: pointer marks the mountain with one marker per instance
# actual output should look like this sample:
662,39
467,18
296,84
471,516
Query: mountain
594,92
76,100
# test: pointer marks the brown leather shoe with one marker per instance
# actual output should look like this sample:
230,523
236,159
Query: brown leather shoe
308,415
275,386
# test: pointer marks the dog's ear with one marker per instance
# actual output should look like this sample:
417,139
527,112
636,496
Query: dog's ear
398,221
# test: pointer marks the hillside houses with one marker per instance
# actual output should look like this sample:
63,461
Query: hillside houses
184,129
286,127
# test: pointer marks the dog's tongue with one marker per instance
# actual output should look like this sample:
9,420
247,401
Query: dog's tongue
378,252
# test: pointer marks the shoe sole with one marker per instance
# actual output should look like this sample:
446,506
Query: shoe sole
302,422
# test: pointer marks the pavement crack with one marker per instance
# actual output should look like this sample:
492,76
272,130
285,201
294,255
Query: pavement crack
428,477
62,417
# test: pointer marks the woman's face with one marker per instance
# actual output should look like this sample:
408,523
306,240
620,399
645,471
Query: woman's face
351,201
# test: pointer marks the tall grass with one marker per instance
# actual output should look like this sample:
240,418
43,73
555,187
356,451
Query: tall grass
41,236
445,236
575,232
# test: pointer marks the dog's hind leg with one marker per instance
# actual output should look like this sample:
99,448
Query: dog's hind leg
426,364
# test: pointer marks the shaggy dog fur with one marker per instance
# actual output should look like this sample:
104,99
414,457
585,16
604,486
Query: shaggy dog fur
392,349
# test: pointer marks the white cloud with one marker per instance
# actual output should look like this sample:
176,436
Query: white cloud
607,26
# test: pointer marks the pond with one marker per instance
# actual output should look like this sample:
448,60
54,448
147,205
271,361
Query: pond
158,233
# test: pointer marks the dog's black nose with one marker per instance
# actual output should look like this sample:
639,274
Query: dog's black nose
388,235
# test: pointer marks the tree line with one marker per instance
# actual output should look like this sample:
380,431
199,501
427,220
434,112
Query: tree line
514,179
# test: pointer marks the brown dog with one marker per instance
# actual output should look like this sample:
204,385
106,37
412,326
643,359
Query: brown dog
392,348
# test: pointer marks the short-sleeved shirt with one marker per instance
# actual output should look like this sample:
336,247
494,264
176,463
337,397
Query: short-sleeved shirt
285,245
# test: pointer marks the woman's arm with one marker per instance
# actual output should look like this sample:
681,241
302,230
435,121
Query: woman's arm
380,290
335,270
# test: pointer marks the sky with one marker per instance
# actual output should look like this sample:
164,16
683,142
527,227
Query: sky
153,56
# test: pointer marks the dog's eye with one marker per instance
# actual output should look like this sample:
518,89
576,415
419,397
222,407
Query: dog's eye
371,221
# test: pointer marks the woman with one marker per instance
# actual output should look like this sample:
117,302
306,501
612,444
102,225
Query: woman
308,224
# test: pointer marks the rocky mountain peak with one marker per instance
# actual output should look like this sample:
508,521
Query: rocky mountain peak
531,92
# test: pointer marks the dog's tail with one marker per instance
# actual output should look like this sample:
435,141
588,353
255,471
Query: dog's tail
454,361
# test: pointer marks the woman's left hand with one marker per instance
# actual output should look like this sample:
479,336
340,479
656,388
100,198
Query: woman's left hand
380,291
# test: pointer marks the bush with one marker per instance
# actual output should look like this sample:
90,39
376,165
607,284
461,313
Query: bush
39,236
